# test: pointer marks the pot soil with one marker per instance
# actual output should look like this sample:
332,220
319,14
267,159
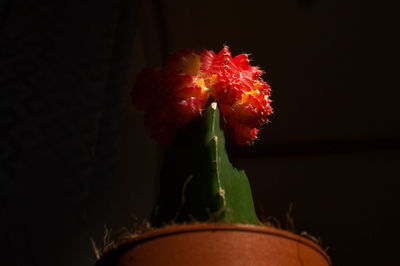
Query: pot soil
216,244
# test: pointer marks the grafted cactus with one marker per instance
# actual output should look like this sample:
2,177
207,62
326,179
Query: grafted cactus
182,101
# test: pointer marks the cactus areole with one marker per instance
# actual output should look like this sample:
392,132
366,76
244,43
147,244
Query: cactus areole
190,104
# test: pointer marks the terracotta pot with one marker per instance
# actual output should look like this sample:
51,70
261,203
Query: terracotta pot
216,244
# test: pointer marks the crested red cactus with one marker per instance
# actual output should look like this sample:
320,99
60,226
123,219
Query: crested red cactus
173,95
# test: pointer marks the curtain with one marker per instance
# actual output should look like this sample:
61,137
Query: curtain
64,67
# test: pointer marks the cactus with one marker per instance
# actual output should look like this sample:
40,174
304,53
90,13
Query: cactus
198,181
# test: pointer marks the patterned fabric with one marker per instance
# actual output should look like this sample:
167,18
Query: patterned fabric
63,77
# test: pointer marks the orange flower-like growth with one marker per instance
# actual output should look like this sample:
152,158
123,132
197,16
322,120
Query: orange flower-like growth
173,95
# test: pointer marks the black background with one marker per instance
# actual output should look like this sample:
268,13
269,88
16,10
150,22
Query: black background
75,156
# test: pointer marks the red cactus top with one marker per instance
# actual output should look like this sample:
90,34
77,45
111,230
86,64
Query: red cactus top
173,95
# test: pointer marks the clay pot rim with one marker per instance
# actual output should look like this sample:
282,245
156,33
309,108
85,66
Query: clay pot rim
112,253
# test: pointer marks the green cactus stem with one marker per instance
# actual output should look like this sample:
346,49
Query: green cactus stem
198,181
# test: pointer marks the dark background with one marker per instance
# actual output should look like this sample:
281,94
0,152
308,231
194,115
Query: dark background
74,154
